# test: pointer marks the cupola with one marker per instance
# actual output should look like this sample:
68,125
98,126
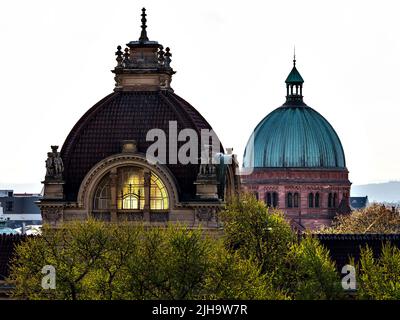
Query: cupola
143,65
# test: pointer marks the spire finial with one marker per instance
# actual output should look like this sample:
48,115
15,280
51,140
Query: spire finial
143,34
294,56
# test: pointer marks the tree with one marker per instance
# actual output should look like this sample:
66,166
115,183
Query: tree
236,278
257,232
379,279
171,263
374,219
300,270
313,275
97,260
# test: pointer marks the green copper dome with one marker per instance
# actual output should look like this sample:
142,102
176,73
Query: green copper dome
294,136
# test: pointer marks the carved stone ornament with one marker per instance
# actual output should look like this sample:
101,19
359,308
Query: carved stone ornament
54,164
205,213
52,215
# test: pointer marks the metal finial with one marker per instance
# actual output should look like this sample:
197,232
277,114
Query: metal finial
294,56
143,34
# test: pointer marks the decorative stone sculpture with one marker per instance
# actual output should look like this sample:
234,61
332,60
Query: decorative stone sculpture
119,58
206,183
54,164
167,57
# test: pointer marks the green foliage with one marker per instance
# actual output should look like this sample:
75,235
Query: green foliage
296,270
171,263
313,275
257,233
96,260
236,278
379,279
373,219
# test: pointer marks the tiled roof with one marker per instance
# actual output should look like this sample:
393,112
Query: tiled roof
358,202
125,116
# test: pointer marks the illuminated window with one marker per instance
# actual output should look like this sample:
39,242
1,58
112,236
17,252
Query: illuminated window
130,188
158,194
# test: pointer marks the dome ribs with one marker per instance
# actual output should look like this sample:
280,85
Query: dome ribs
294,136
122,116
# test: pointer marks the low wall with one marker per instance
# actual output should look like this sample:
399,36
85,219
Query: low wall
7,245
344,246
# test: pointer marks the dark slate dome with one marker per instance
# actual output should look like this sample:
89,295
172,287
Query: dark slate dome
125,116
294,136
142,100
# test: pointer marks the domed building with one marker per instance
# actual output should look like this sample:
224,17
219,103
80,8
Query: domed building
103,169
297,162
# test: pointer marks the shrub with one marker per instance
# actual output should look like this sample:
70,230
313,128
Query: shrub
379,279
96,260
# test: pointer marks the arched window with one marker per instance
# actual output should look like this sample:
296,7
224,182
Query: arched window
330,200
130,188
317,200
132,185
275,199
102,196
335,200
311,200
269,199
289,200
158,194
296,200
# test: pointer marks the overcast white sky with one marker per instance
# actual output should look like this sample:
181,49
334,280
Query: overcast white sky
231,58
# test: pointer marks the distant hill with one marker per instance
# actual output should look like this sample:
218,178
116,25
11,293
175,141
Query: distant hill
379,192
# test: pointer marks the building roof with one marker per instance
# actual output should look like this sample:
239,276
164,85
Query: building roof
127,115
21,204
142,100
294,76
358,202
294,136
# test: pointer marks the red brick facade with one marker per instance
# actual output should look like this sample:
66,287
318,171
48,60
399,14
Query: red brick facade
308,196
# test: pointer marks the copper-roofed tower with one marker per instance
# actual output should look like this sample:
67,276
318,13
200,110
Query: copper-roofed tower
297,161
294,85
102,170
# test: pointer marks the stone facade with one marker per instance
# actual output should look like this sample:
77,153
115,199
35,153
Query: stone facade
102,170
304,182
56,210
